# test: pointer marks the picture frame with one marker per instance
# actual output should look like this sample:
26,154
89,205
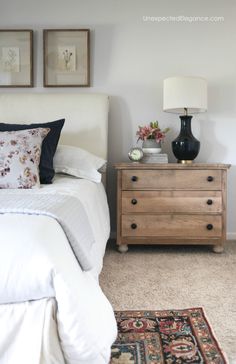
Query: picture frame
66,57
16,58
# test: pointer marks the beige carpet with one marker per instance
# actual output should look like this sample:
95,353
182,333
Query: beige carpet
150,278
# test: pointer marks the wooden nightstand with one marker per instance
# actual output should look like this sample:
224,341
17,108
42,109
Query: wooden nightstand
171,204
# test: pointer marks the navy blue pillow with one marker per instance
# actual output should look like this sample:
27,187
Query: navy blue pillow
49,145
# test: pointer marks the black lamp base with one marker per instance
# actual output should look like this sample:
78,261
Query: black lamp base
185,147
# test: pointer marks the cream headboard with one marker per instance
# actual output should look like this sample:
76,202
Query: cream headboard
86,116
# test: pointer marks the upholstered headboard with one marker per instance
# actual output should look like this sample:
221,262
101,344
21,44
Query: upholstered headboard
86,116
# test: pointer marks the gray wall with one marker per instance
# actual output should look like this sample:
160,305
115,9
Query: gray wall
130,57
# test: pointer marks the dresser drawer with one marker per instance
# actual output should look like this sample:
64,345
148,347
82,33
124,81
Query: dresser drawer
171,179
174,226
171,201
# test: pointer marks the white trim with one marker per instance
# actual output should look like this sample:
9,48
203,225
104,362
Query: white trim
231,236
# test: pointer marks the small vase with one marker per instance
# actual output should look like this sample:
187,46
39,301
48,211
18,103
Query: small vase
151,146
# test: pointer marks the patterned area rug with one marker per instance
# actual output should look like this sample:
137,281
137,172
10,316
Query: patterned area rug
165,337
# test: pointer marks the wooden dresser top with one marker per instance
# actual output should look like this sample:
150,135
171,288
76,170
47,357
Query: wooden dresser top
194,166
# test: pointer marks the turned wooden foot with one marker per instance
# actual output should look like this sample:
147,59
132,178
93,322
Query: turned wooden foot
218,248
123,248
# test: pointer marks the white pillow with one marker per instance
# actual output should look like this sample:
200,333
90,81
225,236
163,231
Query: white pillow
20,156
77,162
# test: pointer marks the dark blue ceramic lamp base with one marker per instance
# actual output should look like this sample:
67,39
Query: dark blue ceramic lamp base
185,147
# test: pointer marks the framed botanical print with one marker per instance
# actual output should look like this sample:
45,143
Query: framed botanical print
66,57
16,58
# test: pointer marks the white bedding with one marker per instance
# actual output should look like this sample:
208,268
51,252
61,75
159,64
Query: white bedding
37,263
91,195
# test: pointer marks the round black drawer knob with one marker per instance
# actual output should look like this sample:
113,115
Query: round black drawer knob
209,202
134,201
209,226
210,178
134,178
133,226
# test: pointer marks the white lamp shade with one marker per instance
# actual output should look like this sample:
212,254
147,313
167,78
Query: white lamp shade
185,92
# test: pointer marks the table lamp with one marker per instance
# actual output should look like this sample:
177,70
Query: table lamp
185,95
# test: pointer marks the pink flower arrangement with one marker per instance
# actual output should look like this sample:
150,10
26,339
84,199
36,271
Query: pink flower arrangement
151,131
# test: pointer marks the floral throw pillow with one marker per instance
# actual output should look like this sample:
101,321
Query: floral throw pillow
20,156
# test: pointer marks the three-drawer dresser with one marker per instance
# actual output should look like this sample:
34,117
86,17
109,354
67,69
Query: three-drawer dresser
171,204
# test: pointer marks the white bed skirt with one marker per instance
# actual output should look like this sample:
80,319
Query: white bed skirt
24,342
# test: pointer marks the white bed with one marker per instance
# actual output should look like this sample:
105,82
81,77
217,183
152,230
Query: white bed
51,310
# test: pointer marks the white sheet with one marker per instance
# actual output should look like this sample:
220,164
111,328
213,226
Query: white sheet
93,198
36,262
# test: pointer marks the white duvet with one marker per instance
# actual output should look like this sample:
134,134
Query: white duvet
50,310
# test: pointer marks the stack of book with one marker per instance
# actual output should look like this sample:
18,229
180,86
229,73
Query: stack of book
155,158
